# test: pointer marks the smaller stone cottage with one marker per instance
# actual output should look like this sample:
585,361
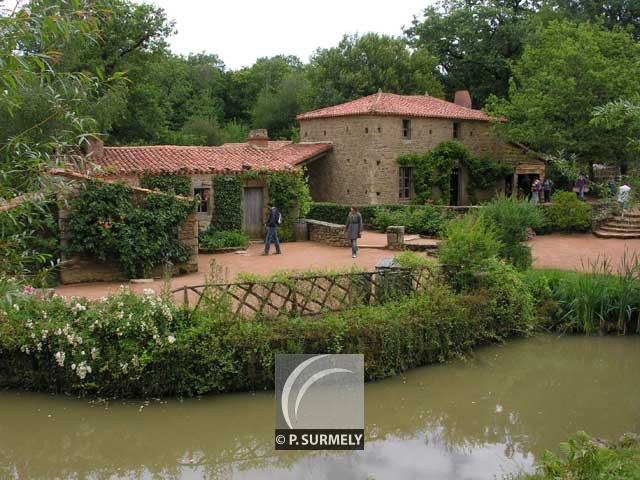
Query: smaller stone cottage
253,160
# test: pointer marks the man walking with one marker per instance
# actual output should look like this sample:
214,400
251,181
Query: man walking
274,220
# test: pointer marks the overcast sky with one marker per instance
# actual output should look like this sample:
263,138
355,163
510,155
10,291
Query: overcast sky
240,31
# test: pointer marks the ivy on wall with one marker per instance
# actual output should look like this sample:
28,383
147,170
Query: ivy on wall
178,184
289,191
105,223
434,168
227,203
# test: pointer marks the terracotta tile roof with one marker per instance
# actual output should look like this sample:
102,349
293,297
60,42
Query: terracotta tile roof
389,104
297,153
229,158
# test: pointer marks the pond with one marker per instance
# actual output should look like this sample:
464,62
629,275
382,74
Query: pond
476,419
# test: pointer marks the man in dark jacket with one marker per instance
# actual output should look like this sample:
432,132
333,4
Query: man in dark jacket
273,222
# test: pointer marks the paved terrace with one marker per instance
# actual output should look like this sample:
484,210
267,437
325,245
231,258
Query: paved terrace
567,252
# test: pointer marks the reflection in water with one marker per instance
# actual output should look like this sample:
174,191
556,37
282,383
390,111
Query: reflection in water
476,419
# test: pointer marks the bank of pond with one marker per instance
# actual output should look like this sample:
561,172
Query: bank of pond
144,346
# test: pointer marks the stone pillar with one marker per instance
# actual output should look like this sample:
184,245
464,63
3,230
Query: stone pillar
395,237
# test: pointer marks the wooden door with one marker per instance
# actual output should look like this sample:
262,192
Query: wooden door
252,203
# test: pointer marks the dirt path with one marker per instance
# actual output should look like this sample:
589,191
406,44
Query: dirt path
575,252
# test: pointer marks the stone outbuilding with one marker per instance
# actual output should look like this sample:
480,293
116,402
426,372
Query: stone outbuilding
252,159
370,133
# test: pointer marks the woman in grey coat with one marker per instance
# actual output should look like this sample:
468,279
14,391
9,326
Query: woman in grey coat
354,230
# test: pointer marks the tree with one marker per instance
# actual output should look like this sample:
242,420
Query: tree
41,117
276,111
361,65
566,71
613,14
622,116
265,75
474,42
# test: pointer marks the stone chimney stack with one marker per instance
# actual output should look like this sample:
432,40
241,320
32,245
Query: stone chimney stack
463,98
94,148
259,138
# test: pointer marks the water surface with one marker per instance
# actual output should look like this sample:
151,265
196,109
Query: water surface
474,419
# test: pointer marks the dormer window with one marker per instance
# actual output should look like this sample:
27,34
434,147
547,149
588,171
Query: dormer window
406,129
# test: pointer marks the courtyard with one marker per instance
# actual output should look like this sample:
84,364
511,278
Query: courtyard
557,251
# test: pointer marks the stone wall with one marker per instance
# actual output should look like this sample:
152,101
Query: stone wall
329,233
601,211
363,167
79,269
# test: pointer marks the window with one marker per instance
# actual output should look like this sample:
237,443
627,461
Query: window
405,182
202,196
366,129
406,129
456,129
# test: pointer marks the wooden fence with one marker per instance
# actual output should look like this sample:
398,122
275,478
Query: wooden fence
305,295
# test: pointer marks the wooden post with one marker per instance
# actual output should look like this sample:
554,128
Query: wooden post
185,298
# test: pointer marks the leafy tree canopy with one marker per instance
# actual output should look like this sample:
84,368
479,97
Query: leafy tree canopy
565,72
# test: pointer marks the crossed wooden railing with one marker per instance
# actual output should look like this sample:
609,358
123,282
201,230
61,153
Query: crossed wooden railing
306,295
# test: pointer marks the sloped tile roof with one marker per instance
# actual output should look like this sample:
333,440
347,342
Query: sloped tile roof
390,104
229,158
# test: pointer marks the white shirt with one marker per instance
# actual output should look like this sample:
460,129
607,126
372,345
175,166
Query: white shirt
623,193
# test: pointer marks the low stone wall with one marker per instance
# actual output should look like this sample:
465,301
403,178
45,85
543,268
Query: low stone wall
329,233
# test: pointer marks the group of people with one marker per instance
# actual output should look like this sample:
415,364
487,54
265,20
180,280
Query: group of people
354,228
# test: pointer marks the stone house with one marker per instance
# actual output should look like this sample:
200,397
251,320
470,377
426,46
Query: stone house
200,164
370,133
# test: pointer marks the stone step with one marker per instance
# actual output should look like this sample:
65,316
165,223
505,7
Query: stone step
610,228
617,235
626,218
622,224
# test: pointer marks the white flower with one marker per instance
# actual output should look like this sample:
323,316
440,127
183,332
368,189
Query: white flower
148,292
135,361
171,339
59,356
77,308
73,366
44,334
58,332
16,307
124,367
82,370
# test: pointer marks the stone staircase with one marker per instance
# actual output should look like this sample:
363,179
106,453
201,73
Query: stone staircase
622,227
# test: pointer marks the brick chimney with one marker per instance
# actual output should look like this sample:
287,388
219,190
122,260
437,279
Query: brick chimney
259,138
94,148
463,98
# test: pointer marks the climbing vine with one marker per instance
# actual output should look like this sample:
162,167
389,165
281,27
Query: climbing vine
227,204
290,193
434,168
178,184
105,223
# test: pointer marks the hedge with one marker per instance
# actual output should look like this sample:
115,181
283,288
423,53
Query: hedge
132,346
338,213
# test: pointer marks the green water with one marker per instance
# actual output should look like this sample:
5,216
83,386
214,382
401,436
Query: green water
474,419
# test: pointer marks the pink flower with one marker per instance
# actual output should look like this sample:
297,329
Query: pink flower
28,290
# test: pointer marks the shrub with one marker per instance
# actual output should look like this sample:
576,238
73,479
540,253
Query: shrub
218,240
424,220
338,213
567,213
469,247
105,223
177,184
511,218
128,345
585,458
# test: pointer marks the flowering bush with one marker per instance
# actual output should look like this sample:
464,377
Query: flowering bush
100,346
